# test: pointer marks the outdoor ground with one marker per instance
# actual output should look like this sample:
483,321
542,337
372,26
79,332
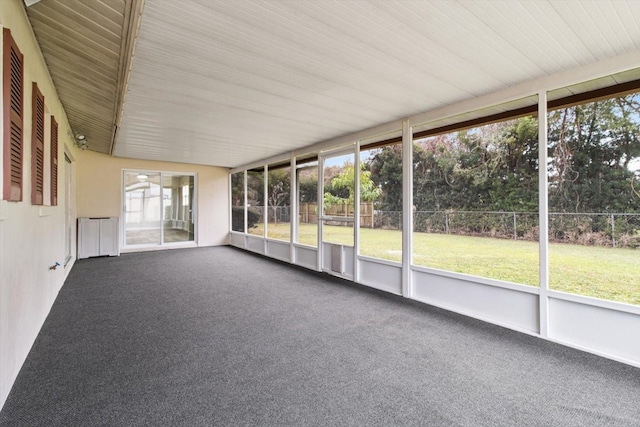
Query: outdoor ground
601,272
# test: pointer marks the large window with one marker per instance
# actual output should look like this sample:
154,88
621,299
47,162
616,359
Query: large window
381,202
255,202
594,199
279,203
307,181
237,201
476,201
476,196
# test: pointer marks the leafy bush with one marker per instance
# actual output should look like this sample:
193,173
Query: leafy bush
253,218
237,218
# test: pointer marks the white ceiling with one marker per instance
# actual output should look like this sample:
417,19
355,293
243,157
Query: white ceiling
230,82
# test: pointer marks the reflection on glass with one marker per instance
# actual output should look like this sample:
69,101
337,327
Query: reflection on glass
279,200
255,202
308,204
177,194
594,199
381,202
142,208
237,201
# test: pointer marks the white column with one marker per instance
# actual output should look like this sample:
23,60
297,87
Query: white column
407,208
230,201
356,212
293,207
543,203
320,208
161,209
265,208
246,215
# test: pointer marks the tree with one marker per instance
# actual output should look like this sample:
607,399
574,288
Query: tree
308,186
342,187
594,148
515,180
237,189
385,166
279,190
237,201
492,167
255,188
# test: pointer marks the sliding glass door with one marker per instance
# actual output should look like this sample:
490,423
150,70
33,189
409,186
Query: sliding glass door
158,208
177,196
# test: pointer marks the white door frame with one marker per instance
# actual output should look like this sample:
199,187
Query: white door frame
355,220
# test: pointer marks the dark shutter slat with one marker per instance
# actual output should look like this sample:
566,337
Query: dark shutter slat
54,162
37,147
13,98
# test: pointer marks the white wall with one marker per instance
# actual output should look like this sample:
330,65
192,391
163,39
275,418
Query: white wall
100,191
31,237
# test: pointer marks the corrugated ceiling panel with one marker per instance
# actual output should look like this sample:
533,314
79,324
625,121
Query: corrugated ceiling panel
81,42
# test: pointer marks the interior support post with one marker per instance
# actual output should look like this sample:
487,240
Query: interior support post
293,208
230,201
265,197
246,200
543,202
356,212
320,209
407,208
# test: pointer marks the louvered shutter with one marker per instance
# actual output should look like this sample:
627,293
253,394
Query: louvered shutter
13,71
54,162
37,147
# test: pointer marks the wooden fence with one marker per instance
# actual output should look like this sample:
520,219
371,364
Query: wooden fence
309,213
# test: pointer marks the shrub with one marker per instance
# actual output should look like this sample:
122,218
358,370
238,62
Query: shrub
237,218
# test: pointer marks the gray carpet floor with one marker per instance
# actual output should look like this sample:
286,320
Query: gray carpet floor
221,337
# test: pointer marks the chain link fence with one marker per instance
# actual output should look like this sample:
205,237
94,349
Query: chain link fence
278,214
505,225
387,220
597,229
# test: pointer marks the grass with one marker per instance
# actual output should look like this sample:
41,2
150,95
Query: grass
600,272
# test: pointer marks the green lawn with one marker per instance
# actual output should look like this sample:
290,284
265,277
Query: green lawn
607,273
